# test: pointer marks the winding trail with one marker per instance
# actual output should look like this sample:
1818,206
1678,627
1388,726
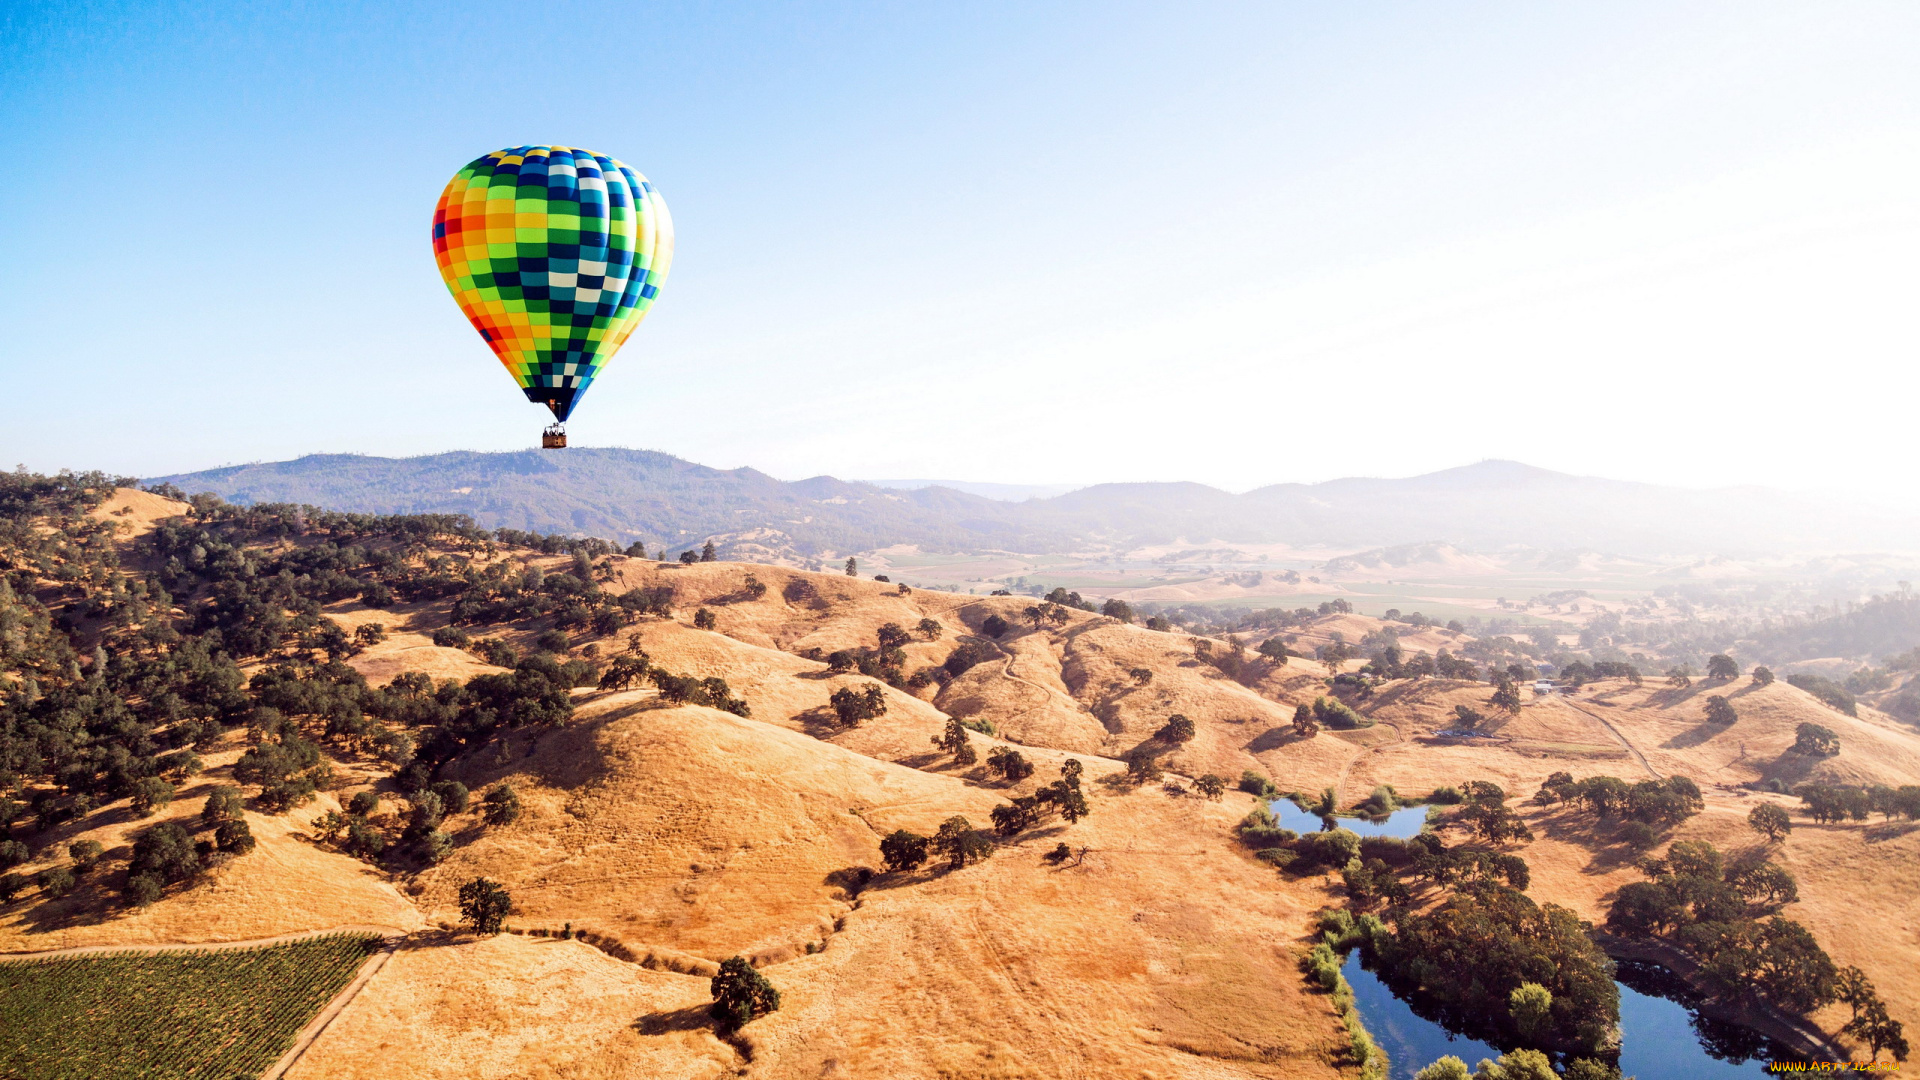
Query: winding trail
1615,732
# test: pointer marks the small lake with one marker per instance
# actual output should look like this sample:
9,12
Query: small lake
1400,823
1661,1038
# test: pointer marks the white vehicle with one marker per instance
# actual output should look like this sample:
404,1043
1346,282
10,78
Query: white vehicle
1543,686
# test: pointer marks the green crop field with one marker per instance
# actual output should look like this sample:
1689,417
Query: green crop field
214,1014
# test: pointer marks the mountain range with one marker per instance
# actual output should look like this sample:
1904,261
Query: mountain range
665,501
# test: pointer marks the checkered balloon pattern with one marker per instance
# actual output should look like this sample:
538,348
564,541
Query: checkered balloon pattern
554,254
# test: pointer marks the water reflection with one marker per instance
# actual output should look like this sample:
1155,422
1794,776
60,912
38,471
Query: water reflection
1661,1038
1400,823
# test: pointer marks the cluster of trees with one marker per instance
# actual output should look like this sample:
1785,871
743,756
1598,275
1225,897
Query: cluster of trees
120,681
1062,797
1711,907
1484,812
1841,802
1326,712
1490,962
903,850
1829,692
1643,807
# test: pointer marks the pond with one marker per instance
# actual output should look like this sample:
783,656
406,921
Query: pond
1661,1037
1400,823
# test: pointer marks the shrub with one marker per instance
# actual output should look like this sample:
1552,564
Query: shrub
12,885
995,627
85,855
740,994
363,803
502,804
704,619
1211,786
224,803
55,881
150,793
452,637
454,796
1719,711
234,836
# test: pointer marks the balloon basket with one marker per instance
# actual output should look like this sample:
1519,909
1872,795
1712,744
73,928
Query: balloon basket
553,438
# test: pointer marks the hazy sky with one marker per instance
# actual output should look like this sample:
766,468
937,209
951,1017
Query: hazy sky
1021,243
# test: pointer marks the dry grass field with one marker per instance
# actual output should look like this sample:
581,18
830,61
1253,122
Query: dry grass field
1160,949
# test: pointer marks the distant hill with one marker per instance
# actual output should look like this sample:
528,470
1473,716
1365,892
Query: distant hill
663,500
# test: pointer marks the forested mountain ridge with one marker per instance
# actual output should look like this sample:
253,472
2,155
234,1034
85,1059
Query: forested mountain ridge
660,499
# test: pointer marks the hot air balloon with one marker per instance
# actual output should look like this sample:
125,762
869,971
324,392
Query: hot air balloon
554,254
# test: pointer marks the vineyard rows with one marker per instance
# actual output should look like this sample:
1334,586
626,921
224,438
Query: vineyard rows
199,1015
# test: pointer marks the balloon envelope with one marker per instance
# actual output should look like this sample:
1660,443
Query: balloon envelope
555,255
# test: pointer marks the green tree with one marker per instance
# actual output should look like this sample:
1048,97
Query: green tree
1770,821
1879,1031
853,567
55,881
995,627
1517,1065
740,993
852,706
1719,711
150,793
1531,1005
891,636
1468,718
1275,650
1305,724
484,905
1445,1068
953,740
1177,730
1140,676
367,635
1117,609
1506,695
85,855
902,850
961,843
1143,765
1680,677
1762,676
234,836
704,620
224,803
707,552
930,629
1722,666
1815,740
1009,763
1210,786
502,804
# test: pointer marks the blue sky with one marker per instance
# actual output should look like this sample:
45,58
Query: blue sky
1018,243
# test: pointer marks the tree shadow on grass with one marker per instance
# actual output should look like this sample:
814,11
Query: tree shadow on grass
688,1018
1694,736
